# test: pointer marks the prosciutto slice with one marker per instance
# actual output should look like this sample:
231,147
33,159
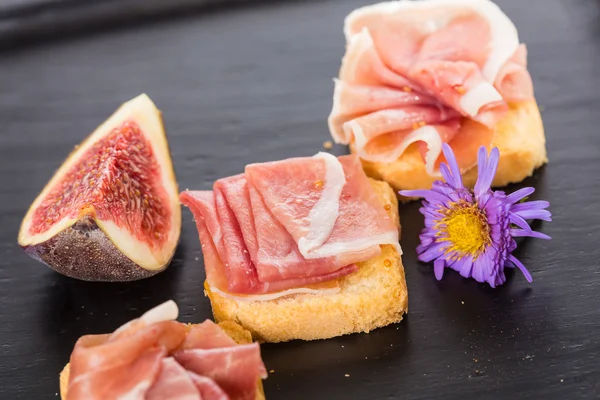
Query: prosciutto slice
207,335
289,226
417,71
148,359
208,389
226,366
173,383
216,268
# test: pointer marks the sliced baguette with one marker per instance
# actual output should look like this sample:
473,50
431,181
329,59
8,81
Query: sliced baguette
519,137
236,332
373,297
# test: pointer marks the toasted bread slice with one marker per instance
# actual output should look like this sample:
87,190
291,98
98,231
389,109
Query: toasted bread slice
519,137
236,332
373,297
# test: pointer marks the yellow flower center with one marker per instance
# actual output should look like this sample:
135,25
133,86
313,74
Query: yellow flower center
465,228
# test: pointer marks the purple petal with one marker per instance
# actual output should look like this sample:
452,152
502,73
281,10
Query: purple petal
456,178
414,193
492,165
465,265
431,253
487,265
500,278
431,213
484,180
533,234
478,271
519,194
438,268
491,253
481,167
446,173
483,199
492,216
543,215
520,265
530,205
446,190
430,223
481,160
427,194
427,238
520,222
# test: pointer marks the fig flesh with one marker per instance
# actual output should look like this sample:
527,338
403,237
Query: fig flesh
111,211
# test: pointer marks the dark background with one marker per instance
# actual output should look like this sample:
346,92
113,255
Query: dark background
253,83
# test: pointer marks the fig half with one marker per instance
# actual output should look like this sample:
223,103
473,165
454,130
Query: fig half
111,212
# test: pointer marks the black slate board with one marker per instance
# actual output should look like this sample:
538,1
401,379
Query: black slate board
254,84
35,20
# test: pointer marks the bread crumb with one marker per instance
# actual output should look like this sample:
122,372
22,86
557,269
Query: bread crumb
272,371
347,375
196,258
327,145
562,380
462,302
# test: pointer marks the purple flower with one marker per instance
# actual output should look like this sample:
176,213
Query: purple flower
473,231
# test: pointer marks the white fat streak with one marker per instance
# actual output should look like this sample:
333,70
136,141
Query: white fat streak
427,134
353,129
167,311
357,245
325,212
276,295
505,38
482,94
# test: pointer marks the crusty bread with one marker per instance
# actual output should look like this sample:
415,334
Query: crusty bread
373,297
519,137
236,332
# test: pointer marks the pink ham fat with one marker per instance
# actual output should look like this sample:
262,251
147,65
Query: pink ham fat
250,224
160,361
408,66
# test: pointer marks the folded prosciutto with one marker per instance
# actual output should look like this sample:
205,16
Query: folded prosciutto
289,226
414,71
157,358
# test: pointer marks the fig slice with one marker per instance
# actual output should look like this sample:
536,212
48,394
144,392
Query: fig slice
111,212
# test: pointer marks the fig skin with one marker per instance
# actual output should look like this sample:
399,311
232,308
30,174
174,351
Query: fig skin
96,247
82,251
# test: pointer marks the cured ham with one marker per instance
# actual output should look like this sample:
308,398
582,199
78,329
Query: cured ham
173,383
290,226
417,71
155,357
226,366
